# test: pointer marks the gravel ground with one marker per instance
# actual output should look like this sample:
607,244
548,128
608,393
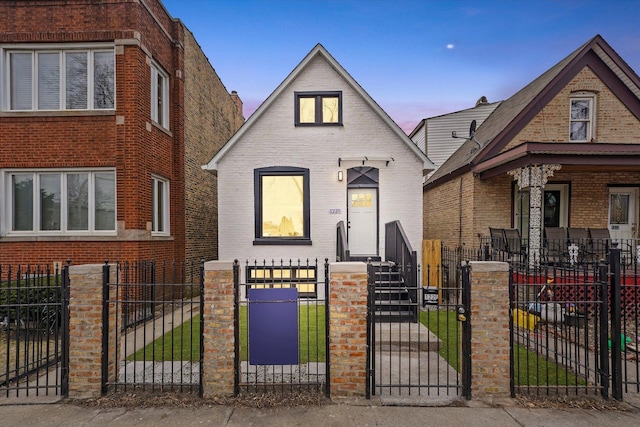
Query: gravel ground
301,399
186,400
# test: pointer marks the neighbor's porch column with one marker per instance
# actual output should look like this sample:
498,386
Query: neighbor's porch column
534,177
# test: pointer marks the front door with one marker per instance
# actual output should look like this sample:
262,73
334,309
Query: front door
622,213
363,221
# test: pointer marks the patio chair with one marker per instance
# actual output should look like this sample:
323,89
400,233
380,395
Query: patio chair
498,245
601,242
580,237
513,244
556,245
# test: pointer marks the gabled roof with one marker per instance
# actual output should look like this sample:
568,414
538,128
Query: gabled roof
515,113
318,51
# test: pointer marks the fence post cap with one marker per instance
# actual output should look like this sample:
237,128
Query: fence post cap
218,265
482,266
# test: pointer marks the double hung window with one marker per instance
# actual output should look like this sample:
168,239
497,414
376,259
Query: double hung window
58,202
160,202
159,96
59,79
582,118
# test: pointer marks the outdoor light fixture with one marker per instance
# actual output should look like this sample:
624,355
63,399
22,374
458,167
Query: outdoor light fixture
340,176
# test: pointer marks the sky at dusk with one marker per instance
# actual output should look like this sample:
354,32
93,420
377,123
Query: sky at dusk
415,58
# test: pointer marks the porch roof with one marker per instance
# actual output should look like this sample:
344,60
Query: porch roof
580,154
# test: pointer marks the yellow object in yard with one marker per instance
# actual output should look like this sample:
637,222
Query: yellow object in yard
524,319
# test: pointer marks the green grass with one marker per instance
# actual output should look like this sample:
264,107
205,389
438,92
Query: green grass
530,369
177,343
446,327
174,345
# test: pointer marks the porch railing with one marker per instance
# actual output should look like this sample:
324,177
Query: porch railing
586,253
399,250
342,245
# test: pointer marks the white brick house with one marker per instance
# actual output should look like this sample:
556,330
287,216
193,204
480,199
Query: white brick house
318,151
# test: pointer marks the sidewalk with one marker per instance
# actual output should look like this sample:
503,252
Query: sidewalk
350,415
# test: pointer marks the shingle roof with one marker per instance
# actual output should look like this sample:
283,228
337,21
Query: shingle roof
491,134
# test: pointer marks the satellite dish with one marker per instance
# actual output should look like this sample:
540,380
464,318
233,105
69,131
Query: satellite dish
472,129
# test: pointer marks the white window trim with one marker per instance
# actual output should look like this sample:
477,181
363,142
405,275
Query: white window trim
34,49
584,96
161,118
165,206
7,214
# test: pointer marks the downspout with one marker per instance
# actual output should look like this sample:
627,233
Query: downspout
460,216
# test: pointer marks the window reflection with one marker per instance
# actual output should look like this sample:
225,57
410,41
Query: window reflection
330,110
307,110
282,206
619,211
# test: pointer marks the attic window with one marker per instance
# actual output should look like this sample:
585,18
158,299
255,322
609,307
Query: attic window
318,108
582,117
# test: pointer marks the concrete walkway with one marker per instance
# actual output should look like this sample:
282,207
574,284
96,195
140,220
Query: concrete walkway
353,414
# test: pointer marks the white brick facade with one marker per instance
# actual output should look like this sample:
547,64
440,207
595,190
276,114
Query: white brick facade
272,139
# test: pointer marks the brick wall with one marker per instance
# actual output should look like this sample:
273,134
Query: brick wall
614,122
489,203
211,117
273,140
490,354
218,332
348,329
85,332
124,139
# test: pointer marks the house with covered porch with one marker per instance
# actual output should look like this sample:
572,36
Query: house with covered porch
562,152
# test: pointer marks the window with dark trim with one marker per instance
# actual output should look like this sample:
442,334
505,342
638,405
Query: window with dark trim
318,108
281,197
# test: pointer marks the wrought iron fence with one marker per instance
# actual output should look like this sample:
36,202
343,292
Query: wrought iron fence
34,331
281,326
152,329
558,320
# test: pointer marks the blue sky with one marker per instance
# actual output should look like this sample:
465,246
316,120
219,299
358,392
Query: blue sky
416,58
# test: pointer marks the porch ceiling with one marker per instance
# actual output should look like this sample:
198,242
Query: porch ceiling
562,153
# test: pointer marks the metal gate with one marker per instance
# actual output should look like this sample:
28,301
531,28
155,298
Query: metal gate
575,328
281,327
418,345
151,326
34,331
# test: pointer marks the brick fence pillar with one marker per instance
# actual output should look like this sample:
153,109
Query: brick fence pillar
85,331
347,329
218,332
490,357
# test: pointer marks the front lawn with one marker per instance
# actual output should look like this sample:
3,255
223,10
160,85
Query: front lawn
530,369
183,342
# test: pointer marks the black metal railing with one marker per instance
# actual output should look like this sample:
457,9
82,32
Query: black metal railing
34,331
561,252
282,326
152,330
342,245
558,314
399,251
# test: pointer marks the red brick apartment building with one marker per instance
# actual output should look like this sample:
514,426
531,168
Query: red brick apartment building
108,110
